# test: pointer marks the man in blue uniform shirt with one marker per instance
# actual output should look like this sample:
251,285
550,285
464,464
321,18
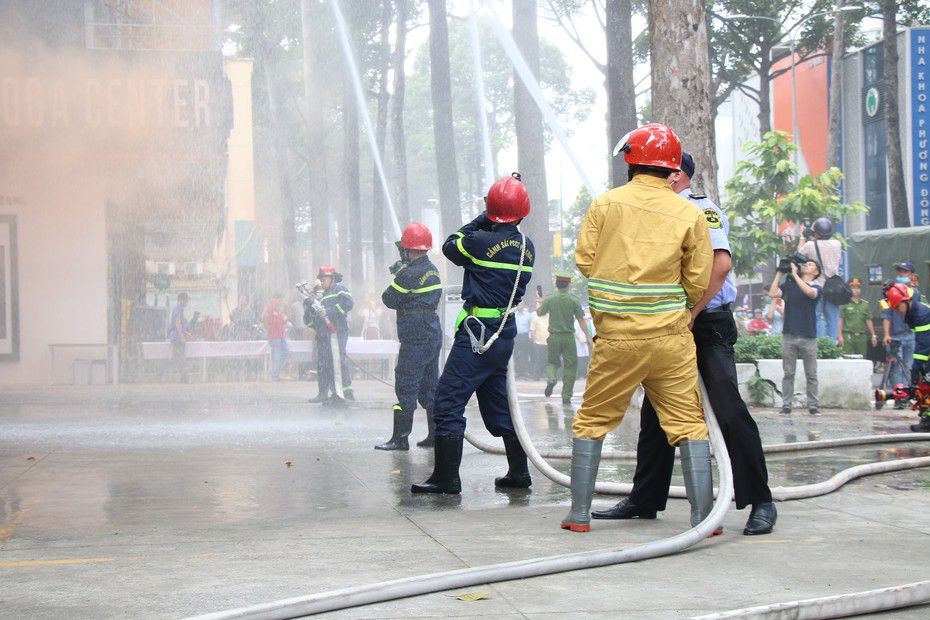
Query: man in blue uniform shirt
714,336
498,263
414,294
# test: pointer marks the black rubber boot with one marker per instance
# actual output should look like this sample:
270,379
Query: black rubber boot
429,441
923,426
518,474
448,457
403,423
322,397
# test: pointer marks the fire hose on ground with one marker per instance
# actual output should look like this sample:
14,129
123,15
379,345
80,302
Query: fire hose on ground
829,607
437,582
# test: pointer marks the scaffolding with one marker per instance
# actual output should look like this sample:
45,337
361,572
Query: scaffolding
146,25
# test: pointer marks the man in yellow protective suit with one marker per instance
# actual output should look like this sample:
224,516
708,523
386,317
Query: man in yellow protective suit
647,255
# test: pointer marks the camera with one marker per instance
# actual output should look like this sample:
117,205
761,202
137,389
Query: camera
784,265
808,232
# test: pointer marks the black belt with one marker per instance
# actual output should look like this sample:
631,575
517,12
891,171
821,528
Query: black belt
723,308
407,311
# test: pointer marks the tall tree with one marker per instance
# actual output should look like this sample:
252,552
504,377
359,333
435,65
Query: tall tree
836,87
621,89
383,99
897,190
681,96
405,211
531,149
616,20
311,19
444,133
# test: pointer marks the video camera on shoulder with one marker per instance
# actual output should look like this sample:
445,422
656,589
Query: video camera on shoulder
784,265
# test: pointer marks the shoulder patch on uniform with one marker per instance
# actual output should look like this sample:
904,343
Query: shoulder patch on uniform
713,219
697,196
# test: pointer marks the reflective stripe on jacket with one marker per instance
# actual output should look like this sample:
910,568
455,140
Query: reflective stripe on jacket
647,254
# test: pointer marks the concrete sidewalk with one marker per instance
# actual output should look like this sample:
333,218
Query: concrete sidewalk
166,501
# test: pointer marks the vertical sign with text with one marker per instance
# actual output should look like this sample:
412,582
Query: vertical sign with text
920,123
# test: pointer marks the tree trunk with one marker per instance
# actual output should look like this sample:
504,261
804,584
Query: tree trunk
316,157
765,99
405,211
383,97
836,88
897,190
350,219
621,88
444,135
531,152
269,63
681,95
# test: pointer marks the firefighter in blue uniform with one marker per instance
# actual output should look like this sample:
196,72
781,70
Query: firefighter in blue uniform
498,263
905,300
337,302
414,294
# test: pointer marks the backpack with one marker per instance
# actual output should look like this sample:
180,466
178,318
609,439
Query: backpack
835,289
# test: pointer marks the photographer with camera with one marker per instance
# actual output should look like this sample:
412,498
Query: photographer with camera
801,294
818,243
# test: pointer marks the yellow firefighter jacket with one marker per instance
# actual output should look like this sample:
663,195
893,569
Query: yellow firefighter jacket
647,255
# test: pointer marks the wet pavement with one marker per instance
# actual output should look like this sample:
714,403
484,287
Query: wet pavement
167,501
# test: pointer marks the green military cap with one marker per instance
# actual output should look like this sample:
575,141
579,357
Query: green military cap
563,276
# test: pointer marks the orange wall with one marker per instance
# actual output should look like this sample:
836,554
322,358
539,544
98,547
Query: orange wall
812,78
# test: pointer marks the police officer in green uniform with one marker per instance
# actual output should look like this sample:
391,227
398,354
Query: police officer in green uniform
562,307
856,327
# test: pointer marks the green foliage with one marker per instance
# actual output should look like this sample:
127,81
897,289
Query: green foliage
827,349
763,193
572,219
753,348
760,390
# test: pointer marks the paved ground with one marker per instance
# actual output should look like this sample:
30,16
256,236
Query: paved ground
166,501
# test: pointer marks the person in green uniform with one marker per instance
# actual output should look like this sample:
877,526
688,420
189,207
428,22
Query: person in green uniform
562,307
856,326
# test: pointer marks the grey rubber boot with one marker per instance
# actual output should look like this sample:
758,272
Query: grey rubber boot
403,424
699,483
429,441
518,473
586,456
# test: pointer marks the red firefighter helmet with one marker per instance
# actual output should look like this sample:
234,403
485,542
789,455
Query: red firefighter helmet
327,271
651,145
897,293
507,200
416,237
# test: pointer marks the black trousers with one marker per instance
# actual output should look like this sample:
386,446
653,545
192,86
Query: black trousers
714,336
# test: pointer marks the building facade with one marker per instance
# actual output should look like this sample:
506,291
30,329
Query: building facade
126,178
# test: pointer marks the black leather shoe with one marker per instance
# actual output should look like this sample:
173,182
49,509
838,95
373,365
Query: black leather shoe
549,387
625,509
762,519
322,397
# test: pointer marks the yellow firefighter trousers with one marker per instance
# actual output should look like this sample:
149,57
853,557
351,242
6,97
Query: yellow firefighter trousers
666,367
